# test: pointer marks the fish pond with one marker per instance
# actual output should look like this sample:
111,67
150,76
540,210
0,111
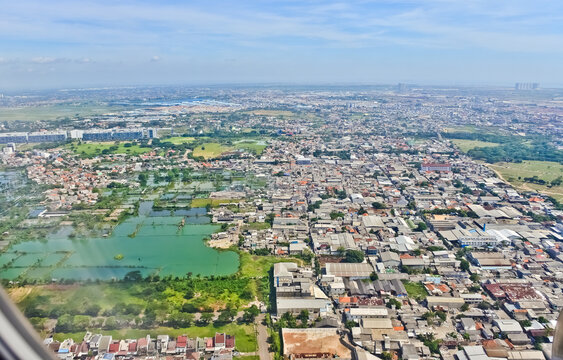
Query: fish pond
155,242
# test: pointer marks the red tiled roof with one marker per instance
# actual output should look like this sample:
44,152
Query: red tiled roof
113,347
219,338
181,341
230,342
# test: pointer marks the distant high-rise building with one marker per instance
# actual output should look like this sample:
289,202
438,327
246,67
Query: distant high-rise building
20,137
526,86
46,136
402,87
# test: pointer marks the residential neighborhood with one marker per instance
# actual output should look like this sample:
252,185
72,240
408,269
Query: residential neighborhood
340,224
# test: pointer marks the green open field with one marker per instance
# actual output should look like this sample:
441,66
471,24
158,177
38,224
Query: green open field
256,226
258,266
91,149
178,140
545,170
471,129
53,112
466,145
415,290
466,128
74,296
253,146
244,334
211,202
210,150
248,357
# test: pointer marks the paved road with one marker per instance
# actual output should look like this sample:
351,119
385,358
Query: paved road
263,346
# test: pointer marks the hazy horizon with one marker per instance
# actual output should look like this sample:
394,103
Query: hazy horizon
272,85
63,44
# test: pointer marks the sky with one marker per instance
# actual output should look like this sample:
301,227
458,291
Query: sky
57,44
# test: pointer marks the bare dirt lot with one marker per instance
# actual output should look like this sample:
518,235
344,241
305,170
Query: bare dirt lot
313,341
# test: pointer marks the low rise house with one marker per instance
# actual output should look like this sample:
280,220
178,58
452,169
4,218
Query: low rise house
319,307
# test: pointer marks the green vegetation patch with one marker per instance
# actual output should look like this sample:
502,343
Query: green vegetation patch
465,128
253,146
258,266
256,226
415,290
212,202
509,148
177,140
92,149
541,176
210,150
248,357
466,145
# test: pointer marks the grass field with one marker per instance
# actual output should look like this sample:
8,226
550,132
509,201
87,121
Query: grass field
258,266
105,295
256,226
248,357
415,290
178,140
466,145
212,202
210,150
253,146
96,148
244,334
472,129
545,170
466,128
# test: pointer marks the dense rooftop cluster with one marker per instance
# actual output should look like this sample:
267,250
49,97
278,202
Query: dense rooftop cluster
401,244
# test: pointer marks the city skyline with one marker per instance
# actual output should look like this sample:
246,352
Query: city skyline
100,43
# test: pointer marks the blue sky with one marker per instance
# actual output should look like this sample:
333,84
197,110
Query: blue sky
107,43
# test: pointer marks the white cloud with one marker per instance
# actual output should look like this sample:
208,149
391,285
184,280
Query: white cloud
95,36
47,60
